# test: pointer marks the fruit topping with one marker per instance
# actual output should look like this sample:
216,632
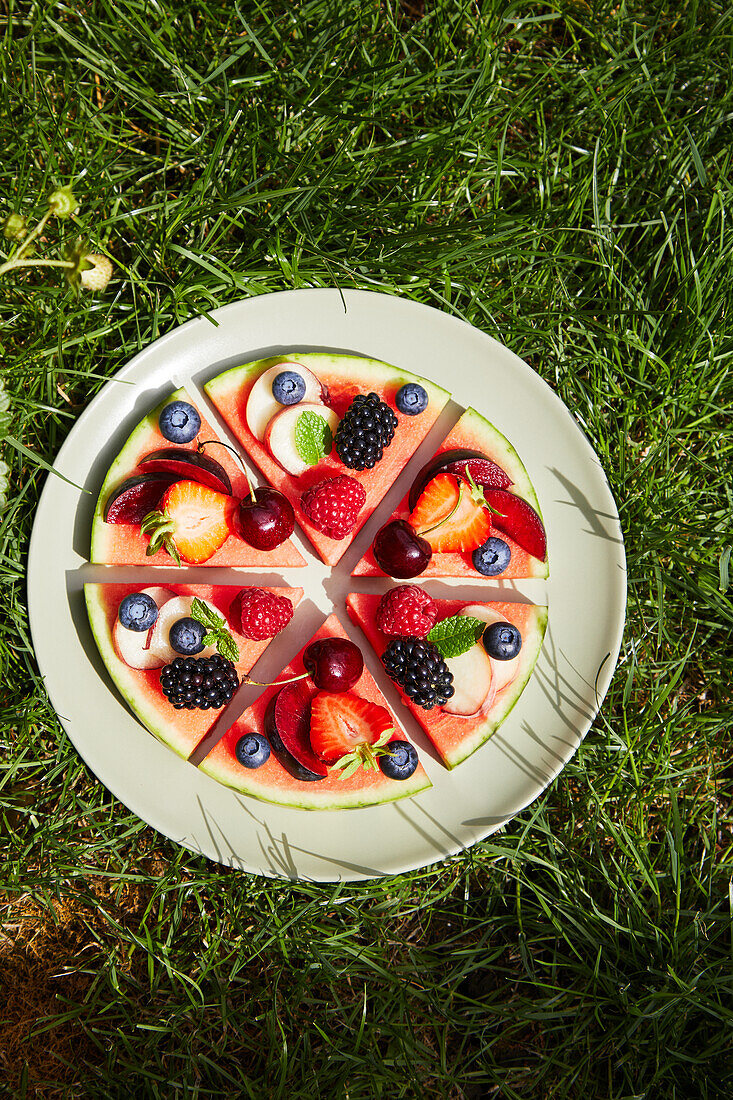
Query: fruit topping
179,607
288,387
347,731
418,667
287,725
262,405
516,518
186,636
366,429
192,524
470,667
399,551
300,436
179,422
399,760
504,672
406,612
502,641
138,611
333,505
135,497
492,557
460,462
265,518
134,647
252,750
199,683
188,465
411,399
259,614
334,664
450,516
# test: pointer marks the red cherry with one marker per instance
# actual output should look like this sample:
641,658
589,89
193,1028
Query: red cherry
399,551
267,521
334,664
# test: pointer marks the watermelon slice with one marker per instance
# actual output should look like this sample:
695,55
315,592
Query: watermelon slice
475,434
457,736
124,544
343,376
273,783
182,730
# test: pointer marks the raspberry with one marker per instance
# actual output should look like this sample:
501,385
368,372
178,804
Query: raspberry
333,505
260,614
407,611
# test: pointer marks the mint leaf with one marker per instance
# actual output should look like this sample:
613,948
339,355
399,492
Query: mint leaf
217,633
456,635
313,437
204,615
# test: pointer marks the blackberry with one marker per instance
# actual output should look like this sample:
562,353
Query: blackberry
199,683
366,429
418,667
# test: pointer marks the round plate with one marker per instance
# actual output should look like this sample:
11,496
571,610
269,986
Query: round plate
586,594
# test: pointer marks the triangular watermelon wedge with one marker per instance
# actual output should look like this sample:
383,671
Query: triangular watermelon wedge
343,377
271,782
474,433
458,736
182,730
124,544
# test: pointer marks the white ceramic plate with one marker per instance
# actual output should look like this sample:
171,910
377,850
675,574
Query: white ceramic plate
586,593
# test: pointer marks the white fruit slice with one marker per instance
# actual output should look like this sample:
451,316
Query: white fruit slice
134,646
280,434
473,682
504,671
177,608
262,406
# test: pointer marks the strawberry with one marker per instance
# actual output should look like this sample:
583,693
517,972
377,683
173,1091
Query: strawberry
192,522
259,614
348,731
466,528
407,611
333,505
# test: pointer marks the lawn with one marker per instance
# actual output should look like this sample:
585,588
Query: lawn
560,176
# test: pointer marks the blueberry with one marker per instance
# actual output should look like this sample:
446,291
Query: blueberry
502,641
288,388
138,611
492,557
401,762
412,399
179,422
252,750
187,636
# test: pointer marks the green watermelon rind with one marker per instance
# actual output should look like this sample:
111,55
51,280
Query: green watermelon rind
531,646
351,800
320,363
121,469
126,679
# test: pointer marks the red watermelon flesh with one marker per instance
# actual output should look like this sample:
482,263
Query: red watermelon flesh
456,737
273,783
124,544
473,432
182,730
345,377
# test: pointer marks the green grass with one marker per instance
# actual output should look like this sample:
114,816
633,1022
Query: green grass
560,176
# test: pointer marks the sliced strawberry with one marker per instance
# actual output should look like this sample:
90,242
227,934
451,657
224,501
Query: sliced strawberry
519,520
201,519
467,528
341,723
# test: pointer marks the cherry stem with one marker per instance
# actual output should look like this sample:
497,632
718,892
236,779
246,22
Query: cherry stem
275,683
445,519
218,443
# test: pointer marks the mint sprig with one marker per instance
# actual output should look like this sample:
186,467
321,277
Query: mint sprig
313,437
217,632
160,527
456,635
363,756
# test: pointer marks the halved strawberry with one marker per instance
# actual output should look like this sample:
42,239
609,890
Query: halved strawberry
467,528
192,521
346,729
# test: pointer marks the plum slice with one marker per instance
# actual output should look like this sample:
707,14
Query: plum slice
516,518
288,729
482,469
134,498
188,466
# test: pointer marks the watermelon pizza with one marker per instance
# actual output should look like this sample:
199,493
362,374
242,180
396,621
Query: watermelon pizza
460,666
331,432
321,737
